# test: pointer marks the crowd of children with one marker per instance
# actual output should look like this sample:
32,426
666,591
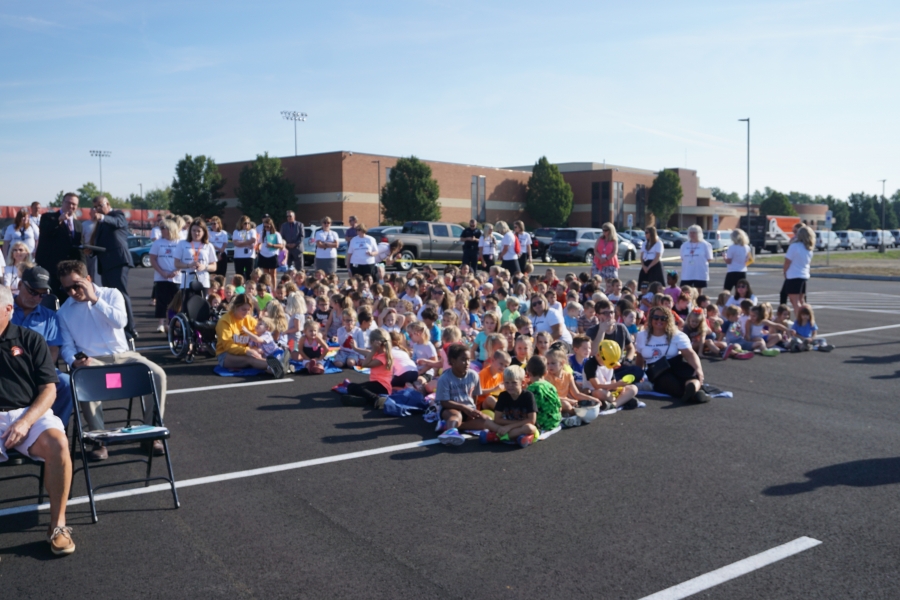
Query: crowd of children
497,361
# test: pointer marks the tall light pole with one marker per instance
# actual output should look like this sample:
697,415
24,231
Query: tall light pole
142,202
378,167
292,115
748,169
100,154
881,247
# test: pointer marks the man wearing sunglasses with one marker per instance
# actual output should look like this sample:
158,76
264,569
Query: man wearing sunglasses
29,313
93,322
608,329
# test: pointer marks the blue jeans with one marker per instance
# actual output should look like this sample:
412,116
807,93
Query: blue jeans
62,406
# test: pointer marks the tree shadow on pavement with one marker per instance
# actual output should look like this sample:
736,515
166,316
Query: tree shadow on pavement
877,360
312,400
870,472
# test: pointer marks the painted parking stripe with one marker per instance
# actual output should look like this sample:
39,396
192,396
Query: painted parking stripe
734,570
166,347
164,487
226,387
859,330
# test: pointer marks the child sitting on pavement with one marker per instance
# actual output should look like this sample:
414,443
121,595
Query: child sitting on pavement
581,347
346,357
599,371
545,397
568,393
763,333
456,391
804,332
515,412
491,379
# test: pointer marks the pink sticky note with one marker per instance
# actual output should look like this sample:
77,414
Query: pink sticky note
113,381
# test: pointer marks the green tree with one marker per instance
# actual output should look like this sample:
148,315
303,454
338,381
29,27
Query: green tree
412,193
729,197
548,198
865,211
665,196
777,204
840,213
800,198
157,199
263,188
196,188
57,202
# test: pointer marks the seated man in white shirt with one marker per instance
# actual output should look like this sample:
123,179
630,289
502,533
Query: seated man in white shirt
92,322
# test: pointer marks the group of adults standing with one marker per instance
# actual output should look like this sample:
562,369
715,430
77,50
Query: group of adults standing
481,250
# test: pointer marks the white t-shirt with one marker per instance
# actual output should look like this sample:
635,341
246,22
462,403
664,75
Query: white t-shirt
546,321
652,347
732,301
403,362
164,251
265,250
509,240
524,243
414,300
244,235
33,223
13,235
156,234
358,249
384,250
800,259
695,257
189,252
218,239
488,246
182,235
426,351
652,252
329,237
738,256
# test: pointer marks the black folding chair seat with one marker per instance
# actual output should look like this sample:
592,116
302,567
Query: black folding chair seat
17,459
110,383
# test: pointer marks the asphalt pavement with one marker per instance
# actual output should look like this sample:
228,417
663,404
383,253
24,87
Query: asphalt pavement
627,506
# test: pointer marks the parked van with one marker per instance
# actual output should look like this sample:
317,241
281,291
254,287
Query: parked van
827,240
874,238
718,239
851,240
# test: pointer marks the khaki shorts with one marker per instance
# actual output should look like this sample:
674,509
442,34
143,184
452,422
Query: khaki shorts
47,421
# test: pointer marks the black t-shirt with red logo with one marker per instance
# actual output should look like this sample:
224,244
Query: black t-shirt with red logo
25,365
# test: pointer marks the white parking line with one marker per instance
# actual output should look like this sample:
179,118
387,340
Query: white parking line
164,487
859,330
225,387
152,348
734,570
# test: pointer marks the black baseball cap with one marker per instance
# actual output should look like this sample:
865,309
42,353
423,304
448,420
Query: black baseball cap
37,278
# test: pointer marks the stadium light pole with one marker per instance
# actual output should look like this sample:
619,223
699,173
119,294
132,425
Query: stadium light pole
378,172
748,169
100,154
881,248
292,115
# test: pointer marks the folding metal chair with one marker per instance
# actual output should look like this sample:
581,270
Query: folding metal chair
110,383
17,459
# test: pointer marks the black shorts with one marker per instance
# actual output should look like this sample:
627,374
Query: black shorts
267,262
695,283
794,286
732,278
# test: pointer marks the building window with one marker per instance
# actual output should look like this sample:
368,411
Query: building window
387,173
619,203
479,204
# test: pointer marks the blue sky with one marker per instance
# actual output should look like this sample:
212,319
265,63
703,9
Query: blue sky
496,83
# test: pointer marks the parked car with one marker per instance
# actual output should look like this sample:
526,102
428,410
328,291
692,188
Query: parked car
139,246
541,238
637,234
426,240
719,239
637,242
676,238
381,232
827,240
896,234
576,244
874,238
850,240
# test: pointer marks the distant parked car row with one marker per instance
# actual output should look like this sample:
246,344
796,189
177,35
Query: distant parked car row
576,244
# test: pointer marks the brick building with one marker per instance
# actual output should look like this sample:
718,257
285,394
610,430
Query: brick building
340,184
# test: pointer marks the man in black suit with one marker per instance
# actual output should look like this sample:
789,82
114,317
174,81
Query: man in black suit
62,234
111,232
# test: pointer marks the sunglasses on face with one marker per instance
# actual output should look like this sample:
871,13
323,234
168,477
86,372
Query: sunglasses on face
659,318
34,292
606,313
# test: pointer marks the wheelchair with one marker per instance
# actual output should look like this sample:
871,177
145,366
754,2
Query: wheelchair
193,330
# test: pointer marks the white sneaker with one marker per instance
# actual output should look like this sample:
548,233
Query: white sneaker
452,437
573,421
161,329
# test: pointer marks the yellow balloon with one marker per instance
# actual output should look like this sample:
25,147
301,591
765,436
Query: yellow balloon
488,414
